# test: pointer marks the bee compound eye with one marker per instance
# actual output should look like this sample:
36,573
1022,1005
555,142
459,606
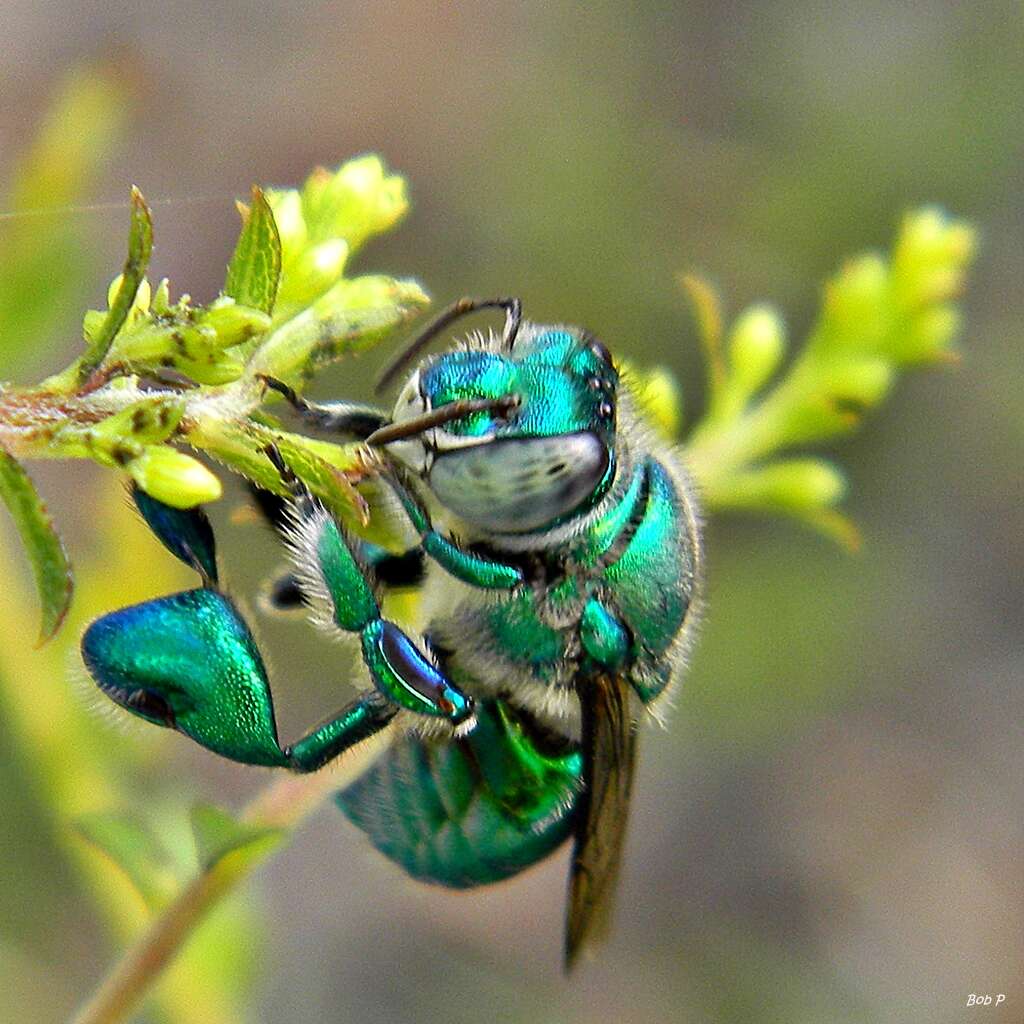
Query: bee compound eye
599,349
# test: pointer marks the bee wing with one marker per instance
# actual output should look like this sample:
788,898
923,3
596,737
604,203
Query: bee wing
609,756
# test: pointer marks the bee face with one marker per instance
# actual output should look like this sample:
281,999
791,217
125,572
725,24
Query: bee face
549,454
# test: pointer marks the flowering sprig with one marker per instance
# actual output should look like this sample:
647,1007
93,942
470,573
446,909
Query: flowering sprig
160,376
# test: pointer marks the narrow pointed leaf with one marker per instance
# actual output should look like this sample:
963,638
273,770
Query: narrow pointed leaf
219,834
255,268
140,246
708,313
44,548
136,851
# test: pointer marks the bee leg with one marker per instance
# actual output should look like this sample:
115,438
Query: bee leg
337,586
399,571
282,593
463,565
185,532
188,662
360,719
349,418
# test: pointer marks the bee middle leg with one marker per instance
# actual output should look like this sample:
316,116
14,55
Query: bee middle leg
338,587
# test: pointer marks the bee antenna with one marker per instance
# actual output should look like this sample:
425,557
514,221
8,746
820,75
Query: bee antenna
460,308
444,414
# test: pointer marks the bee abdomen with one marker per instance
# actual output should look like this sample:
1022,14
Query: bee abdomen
469,812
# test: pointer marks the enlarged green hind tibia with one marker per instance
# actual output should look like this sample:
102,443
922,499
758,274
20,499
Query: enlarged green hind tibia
471,811
188,662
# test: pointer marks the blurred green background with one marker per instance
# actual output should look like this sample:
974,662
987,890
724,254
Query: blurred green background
830,830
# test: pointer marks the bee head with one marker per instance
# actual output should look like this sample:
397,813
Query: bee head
513,441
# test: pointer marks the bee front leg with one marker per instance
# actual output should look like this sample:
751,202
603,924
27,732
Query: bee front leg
386,569
483,573
349,418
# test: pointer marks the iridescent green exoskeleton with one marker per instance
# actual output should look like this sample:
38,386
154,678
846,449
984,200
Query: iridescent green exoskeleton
562,563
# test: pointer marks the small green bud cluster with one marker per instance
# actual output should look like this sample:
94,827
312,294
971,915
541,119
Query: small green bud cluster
878,316
286,309
318,314
326,221
133,439
195,342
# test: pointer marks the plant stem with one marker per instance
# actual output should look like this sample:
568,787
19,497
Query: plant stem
284,804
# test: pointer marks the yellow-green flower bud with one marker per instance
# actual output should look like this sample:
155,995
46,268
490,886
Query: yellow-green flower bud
860,382
142,295
855,303
232,323
796,485
314,271
959,243
173,477
931,336
327,259
291,224
213,368
930,257
922,229
756,346
358,201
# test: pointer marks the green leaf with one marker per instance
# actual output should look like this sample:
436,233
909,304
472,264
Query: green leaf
136,851
309,459
218,834
140,246
45,550
255,268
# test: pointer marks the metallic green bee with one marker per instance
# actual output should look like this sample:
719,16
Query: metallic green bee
555,622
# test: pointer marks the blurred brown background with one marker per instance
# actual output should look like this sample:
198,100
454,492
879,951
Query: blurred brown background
831,829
